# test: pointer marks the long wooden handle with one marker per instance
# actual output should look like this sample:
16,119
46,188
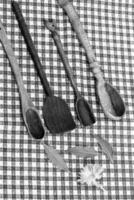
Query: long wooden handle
82,36
52,27
31,47
9,51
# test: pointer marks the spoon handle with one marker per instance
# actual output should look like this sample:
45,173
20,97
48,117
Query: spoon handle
31,47
82,36
8,49
52,27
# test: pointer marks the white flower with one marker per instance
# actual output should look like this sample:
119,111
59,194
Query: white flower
90,174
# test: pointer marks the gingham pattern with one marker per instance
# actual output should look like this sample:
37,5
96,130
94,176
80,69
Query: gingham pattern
25,172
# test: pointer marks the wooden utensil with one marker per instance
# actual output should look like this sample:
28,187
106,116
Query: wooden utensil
30,114
84,112
56,112
110,100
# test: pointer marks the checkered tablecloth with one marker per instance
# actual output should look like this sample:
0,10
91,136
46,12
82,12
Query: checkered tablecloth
25,172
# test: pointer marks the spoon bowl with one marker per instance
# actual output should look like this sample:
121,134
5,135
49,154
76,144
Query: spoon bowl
33,123
111,101
84,112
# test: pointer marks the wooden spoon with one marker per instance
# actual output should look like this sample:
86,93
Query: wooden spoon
56,112
110,100
30,114
84,112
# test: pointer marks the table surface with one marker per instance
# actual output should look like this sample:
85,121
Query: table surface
26,173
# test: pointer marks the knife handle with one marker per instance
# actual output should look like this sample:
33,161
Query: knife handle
31,47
